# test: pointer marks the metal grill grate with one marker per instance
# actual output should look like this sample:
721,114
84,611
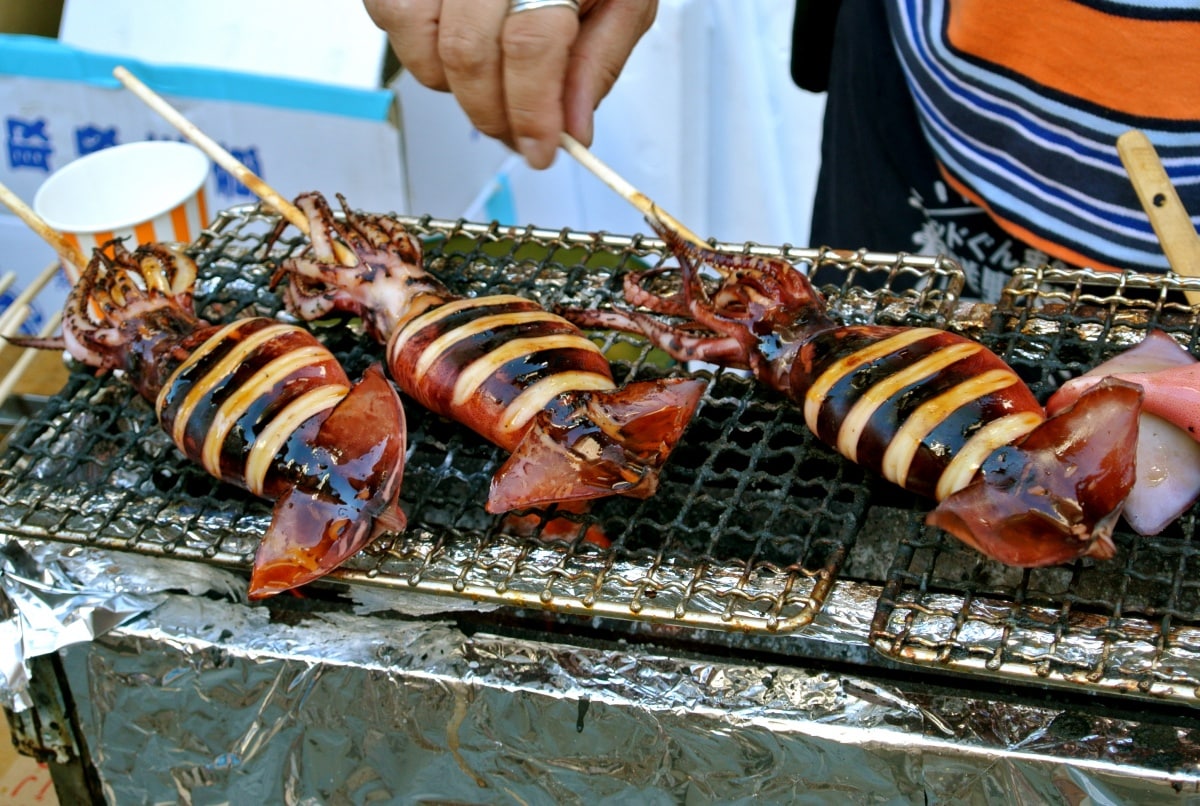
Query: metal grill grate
756,526
1131,624
750,526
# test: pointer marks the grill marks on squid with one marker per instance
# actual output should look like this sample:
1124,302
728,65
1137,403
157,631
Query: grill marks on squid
503,356
235,401
921,406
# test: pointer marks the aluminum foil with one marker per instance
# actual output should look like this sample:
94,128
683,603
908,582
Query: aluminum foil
206,699
49,605
54,596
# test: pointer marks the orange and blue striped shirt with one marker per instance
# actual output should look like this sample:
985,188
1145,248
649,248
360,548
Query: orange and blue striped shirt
1023,101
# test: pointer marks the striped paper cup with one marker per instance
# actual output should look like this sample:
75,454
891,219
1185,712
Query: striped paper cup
143,192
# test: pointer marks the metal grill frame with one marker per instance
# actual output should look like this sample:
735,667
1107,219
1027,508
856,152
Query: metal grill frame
937,605
482,561
1129,625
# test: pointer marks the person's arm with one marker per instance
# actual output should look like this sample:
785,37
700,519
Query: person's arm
521,77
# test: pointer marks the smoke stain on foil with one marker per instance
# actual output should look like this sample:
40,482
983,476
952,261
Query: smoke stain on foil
461,701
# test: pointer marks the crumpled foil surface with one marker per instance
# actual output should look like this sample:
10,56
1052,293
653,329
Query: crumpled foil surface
52,596
49,604
202,698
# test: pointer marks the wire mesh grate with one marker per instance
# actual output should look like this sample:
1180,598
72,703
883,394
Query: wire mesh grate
1130,624
751,523
755,523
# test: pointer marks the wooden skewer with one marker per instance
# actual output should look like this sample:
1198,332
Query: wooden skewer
1159,199
74,261
624,189
212,148
25,297
219,155
9,382
10,328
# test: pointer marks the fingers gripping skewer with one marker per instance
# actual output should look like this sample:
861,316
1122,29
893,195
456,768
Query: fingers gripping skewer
220,155
624,189
73,260
1171,222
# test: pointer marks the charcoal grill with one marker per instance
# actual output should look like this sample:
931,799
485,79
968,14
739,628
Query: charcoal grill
761,542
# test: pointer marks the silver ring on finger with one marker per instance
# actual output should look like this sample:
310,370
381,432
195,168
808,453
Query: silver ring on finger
517,6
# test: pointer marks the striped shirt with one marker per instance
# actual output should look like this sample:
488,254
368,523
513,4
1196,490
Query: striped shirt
1022,102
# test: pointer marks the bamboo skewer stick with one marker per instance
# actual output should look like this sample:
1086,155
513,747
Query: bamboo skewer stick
23,299
624,189
73,260
10,328
19,309
212,148
1159,199
289,211
218,154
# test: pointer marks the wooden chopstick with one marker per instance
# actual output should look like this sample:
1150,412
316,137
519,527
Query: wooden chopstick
1159,199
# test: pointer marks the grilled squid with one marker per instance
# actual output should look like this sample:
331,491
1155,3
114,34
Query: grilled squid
929,410
526,379
257,403
1168,448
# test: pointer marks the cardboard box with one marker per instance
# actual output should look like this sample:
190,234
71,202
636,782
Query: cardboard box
60,102
23,780
307,40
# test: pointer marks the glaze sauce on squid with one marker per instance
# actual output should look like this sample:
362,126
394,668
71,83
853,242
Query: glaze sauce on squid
526,379
929,410
257,403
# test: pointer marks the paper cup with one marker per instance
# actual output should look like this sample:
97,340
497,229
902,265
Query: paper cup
143,192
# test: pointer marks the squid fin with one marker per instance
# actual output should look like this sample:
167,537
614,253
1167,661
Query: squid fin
313,531
1058,493
609,443
309,536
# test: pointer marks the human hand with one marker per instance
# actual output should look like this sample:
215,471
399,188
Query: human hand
522,77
